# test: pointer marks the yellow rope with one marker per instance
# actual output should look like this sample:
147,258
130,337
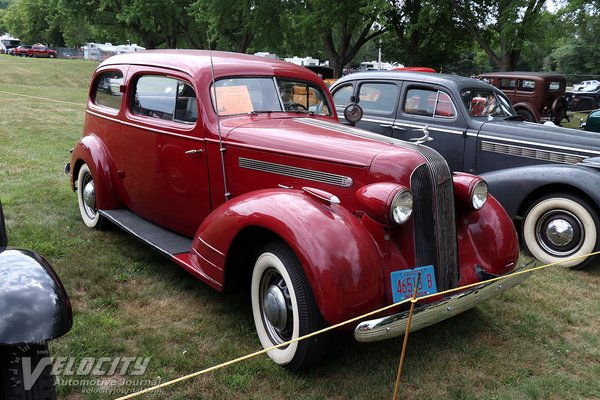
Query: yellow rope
329,328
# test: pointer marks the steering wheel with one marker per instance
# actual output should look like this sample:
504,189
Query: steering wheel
291,106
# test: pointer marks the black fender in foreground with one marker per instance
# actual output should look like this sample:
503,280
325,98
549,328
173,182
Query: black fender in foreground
34,306
514,186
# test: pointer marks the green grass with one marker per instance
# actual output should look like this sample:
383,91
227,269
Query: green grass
539,341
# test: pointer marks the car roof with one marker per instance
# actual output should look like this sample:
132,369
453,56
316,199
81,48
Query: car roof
524,74
454,81
195,62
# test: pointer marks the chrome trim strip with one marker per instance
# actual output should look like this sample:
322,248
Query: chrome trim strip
154,130
531,152
429,314
210,247
552,146
296,172
431,128
208,262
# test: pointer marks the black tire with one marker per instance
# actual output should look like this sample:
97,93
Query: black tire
559,227
527,116
14,385
86,198
278,278
559,109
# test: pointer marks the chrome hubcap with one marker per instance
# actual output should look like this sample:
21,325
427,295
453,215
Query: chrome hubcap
560,233
89,195
275,307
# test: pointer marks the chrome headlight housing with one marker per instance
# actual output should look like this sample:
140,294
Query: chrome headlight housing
479,194
402,206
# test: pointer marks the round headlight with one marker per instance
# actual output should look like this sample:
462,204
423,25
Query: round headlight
402,206
479,195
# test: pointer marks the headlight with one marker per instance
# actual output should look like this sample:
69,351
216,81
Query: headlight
402,206
479,195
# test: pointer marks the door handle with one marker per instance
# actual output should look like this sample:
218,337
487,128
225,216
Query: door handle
398,128
194,151
385,125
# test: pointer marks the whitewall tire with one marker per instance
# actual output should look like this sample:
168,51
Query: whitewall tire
560,227
86,197
284,308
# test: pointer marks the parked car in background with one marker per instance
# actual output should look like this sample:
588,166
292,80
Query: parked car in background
22,51
592,123
40,50
585,84
586,99
34,309
536,96
546,177
242,172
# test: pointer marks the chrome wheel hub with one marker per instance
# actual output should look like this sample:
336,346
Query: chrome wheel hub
89,195
275,307
560,233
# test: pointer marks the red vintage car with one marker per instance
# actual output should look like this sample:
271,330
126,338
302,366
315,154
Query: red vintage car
235,167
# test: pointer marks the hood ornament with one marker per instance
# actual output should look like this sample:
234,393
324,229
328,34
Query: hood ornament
423,139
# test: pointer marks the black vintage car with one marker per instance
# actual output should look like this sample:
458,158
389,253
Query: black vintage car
34,308
546,177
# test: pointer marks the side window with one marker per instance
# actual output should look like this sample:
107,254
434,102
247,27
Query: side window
165,98
526,85
378,97
341,98
444,107
506,83
554,85
107,91
420,102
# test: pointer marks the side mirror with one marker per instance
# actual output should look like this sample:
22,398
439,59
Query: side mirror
353,113
3,237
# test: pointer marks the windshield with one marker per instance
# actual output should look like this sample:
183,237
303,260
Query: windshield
486,103
258,95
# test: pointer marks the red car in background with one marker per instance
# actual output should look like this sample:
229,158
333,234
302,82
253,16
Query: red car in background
39,50
22,50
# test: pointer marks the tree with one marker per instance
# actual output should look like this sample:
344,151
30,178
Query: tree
342,26
500,27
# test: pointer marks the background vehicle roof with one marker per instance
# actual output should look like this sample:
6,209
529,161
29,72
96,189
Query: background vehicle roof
453,81
194,62
517,74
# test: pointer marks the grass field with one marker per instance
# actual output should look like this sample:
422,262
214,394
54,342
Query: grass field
539,341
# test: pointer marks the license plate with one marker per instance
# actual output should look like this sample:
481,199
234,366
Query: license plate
403,283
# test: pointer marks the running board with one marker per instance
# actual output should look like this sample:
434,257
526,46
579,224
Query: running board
165,241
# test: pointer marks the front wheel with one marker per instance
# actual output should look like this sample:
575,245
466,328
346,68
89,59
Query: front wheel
560,227
284,309
86,197
25,373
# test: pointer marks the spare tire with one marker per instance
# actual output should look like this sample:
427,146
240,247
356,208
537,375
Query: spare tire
559,109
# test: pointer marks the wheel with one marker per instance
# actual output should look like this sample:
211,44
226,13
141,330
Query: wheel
559,227
559,109
527,116
284,308
86,197
21,381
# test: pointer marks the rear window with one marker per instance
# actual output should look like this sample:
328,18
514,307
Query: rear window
164,98
554,85
107,90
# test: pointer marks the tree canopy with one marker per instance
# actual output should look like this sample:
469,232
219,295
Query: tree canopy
462,36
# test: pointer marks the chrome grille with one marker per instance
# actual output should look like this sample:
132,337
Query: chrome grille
530,152
434,219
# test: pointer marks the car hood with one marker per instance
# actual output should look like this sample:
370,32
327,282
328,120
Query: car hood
553,137
315,138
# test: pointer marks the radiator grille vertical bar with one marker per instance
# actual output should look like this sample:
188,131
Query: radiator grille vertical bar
435,229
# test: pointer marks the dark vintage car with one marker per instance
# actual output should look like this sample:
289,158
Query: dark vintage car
586,99
536,96
592,123
546,175
242,172
34,308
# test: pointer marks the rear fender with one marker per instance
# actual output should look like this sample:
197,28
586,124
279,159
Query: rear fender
92,151
536,114
34,306
340,259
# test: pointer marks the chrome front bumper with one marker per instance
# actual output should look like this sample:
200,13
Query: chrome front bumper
429,314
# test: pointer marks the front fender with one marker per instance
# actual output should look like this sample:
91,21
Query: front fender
92,151
34,306
340,258
513,186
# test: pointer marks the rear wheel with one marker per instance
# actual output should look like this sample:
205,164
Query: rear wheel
559,227
86,197
19,381
284,308
526,114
